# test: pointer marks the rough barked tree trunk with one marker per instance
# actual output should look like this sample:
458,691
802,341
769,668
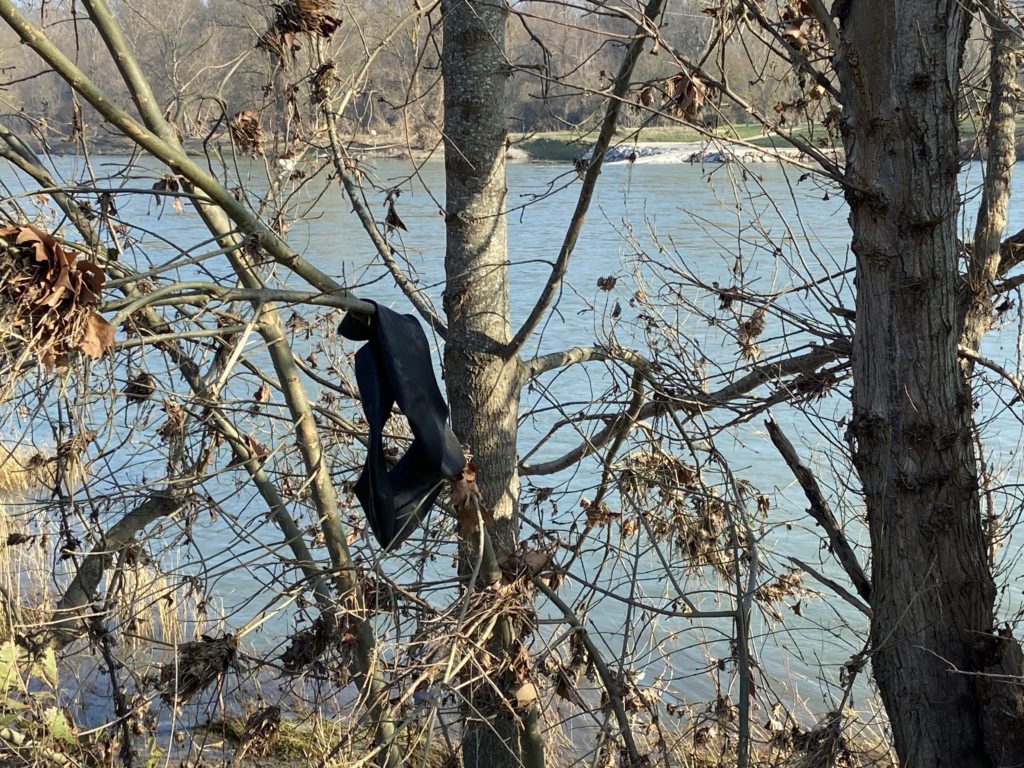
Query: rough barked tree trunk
483,377
933,593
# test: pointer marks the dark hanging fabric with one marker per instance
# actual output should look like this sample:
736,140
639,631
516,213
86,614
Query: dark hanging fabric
394,366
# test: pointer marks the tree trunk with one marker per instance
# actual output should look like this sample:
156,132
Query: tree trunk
933,593
483,377
483,380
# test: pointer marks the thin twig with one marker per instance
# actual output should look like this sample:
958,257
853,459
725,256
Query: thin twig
835,586
613,689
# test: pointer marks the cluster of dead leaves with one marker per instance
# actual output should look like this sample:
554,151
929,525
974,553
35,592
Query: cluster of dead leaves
140,387
801,27
814,385
683,95
789,584
329,632
321,82
246,132
827,744
507,683
296,17
793,17
261,728
48,298
688,514
529,561
749,331
565,679
598,513
173,430
646,470
688,93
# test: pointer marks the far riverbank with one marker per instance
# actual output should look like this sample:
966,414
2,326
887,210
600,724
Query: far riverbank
654,145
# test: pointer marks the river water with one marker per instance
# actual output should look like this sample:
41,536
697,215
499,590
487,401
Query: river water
770,224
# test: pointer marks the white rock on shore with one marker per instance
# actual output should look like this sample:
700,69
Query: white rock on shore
690,152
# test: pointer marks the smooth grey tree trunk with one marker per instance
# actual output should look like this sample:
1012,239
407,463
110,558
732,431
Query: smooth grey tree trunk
911,431
483,378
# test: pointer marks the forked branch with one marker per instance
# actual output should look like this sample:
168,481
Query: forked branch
700,402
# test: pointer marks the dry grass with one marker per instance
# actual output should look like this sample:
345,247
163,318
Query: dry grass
24,470
199,663
834,742
295,740
144,612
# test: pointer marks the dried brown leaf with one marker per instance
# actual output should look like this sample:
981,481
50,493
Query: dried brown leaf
257,450
689,93
803,8
598,514
260,729
537,561
92,278
466,499
794,34
97,336
246,131
174,428
565,687
140,387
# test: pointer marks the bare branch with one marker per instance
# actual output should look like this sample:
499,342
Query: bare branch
835,586
636,386
824,18
993,366
147,318
370,225
1001,138
185,292
270,325
82,590
790,53
19,155
138,86
612,687
700,402
543,363
169,154
821,512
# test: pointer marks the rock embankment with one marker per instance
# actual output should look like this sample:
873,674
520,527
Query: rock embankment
695,152
707,152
